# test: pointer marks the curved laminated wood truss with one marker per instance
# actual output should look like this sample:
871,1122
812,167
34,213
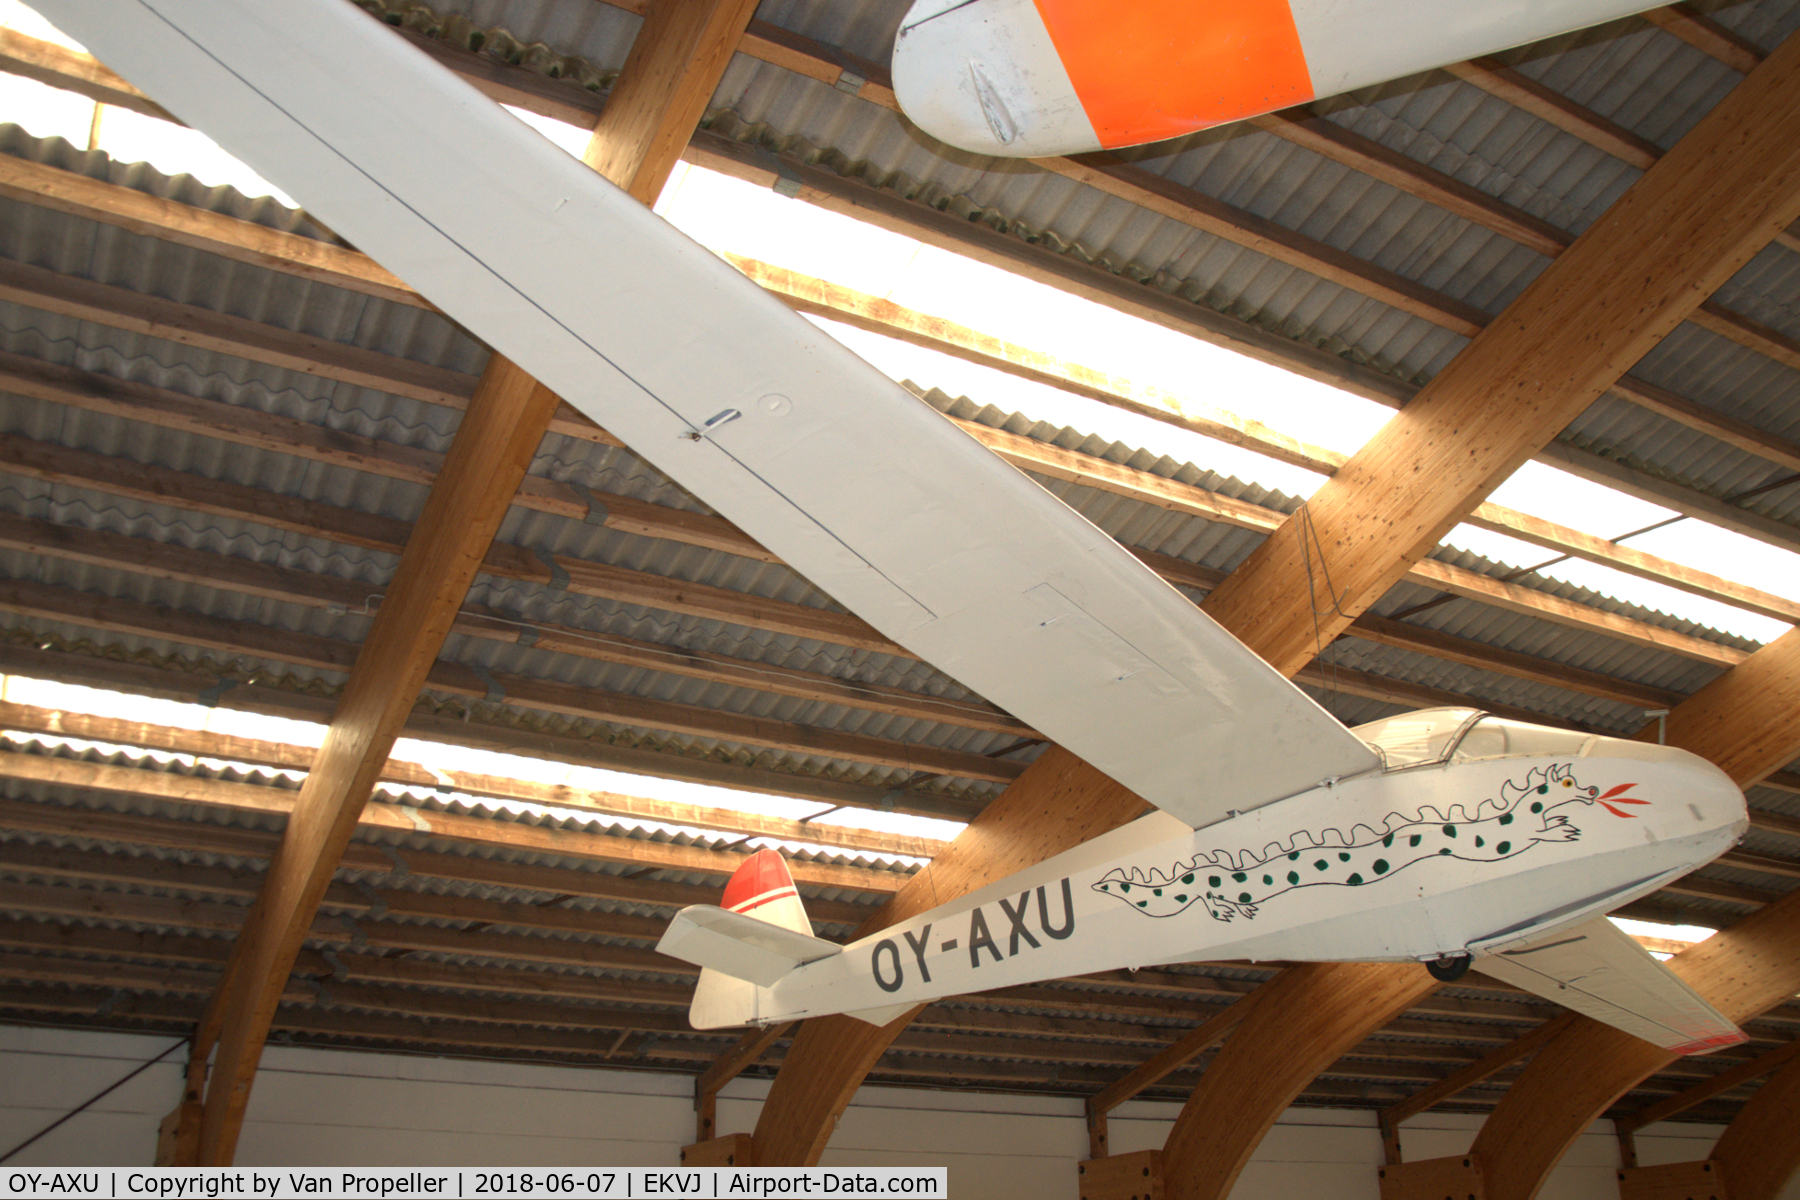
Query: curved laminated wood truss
1757,1151
1701,210
1684,229
672,71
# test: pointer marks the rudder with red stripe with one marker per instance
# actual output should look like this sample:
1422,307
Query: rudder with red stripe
763,888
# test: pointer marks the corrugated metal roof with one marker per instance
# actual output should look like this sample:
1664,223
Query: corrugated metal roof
1629,73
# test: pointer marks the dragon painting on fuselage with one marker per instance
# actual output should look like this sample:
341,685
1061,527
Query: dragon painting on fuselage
1238,886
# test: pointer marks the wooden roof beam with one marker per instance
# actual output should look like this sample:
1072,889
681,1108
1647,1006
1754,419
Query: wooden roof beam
672,69
493,449
1683,229
1295,1027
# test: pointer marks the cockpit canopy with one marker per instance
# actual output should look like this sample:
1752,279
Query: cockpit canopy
1439,735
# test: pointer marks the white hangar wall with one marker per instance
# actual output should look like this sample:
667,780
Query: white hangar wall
345,1108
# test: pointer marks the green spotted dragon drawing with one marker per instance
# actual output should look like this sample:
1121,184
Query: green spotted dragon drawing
1229,888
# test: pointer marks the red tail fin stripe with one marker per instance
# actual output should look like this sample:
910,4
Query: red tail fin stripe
761,872
762,898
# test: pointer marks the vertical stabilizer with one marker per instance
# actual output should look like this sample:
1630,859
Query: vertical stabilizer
762,888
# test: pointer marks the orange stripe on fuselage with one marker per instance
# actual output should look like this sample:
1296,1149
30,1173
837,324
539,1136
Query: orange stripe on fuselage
1152,69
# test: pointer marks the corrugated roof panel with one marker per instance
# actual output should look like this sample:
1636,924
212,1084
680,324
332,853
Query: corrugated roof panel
1631,72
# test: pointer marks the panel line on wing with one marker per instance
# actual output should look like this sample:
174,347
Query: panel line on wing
697,433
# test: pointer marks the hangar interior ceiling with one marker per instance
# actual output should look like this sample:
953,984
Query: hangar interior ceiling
221,424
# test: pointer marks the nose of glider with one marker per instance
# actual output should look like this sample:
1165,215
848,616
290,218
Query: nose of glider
985,76
1679,793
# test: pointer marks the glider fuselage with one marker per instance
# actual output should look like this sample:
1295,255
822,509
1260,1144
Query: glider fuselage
1472,853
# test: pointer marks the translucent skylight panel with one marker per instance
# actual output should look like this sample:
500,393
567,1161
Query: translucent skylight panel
892,822
44,111
1609,581
1009,393
1727,554
14,15
101,702
177,150
1556,495
125,135
725,214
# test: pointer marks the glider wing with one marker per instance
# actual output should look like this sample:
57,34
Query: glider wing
853,482
1599,971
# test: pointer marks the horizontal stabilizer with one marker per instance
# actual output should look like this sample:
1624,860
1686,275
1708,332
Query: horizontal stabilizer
1597,970
742,947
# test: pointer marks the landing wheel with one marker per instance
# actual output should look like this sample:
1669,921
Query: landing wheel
1448,968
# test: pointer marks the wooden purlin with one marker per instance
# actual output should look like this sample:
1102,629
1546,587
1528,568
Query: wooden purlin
473,831
1486,1067
1724,1081
56,723
1168,1060
671,72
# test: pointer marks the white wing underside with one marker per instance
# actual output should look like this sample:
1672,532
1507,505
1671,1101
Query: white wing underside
866,491
1599,971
